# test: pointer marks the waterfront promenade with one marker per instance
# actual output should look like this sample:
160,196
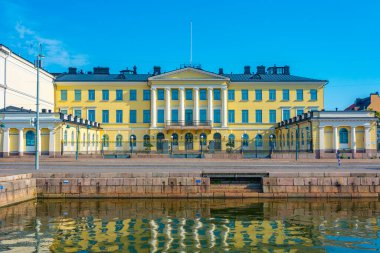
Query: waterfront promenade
11,166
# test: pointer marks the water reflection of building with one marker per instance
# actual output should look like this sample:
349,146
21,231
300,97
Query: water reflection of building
192,225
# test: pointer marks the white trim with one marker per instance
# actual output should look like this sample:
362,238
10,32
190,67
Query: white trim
188,69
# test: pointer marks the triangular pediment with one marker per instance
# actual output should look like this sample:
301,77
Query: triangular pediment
189,74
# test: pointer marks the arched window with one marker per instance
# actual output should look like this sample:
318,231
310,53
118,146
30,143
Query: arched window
203,139
146,139
259,140
106,141
343,136
72,138
175,139
65,138
245,140
84,140
30,138
119,140
231,141
132,140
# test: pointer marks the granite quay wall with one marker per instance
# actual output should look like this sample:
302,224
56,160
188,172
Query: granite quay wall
17,188
322,184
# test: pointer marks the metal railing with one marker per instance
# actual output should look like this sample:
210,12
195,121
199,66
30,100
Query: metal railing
188,123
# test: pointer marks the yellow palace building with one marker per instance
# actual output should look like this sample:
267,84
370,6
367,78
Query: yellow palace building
188,108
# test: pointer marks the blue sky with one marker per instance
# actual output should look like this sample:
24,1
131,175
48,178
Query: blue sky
327,39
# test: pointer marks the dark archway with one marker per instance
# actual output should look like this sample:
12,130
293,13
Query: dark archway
217,141
189,141
160,141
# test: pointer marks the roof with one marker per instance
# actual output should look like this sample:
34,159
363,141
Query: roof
15,109
360,104
269,78
102,78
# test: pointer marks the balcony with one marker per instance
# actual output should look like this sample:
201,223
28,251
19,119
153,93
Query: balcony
188,124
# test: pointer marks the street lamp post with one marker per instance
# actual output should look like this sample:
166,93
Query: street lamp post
242,144
171,147
37,150
297,140
131,145
201,146
77,142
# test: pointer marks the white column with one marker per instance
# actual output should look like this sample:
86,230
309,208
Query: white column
182,105
224,107
167,105
321,138
196,105
153,98
335,139
210,112
51,142
39,141
353,139
21,142
6,142
367,137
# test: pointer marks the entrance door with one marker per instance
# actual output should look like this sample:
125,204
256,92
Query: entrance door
160,140
189,141
218,142
188,117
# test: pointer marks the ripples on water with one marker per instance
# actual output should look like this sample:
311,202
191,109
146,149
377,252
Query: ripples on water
191,226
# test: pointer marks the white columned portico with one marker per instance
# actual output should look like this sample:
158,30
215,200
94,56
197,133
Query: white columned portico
196,105
224,107
182,105
210,105
52,142
6,142
167,105
335,139
353,139
367,137
153,98
321,138
21,142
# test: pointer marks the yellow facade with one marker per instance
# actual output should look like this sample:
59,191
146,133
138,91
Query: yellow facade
189,79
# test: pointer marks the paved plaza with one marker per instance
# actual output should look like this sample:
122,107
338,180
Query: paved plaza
69,165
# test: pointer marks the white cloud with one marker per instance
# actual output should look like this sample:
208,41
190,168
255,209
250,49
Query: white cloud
54,50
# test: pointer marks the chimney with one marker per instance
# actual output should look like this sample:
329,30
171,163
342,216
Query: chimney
156,70
43,110
220,71
102,70
134,70
247,70
261,70
72,71
286,70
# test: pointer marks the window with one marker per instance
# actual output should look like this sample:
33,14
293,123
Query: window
30,138
259,116
146,141
299,95
343,136
105,95
119,95
160,116
231,116
313,94
175,115
160,94
132,95
285,95
216,94
272,116
105,116
231,141
299,112
244,95
78,113
217,116
231,95
189,94
244,116
146,116
119,116
203,115
77,95
272,95
133,140
285,114
245,140
259,140
203,94
146,95
64,95
64,111
91,115
91,95
258,95
132,116
106,141
119,140
174,94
